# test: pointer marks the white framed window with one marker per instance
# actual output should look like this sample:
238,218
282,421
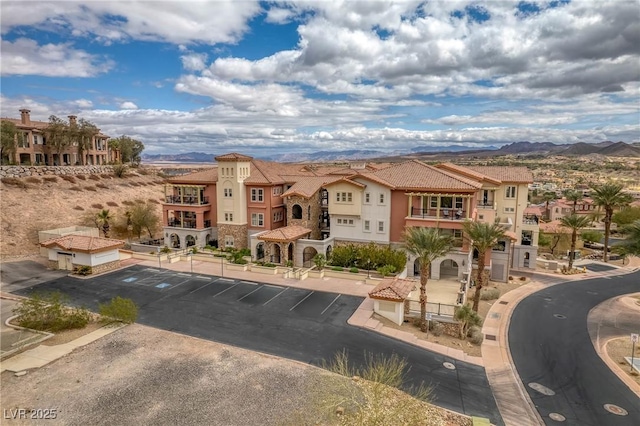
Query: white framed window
433,202
228,192
509,209
277,190
228,217
278,216
381,199
511,192
366,226
339,221
257,219
381,226
257,195
344,197
228,241
349,197
367,197
458,202
337,197
350,222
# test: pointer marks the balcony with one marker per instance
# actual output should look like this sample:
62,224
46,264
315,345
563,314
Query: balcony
530,219
445,214
187,223
186,200
486,205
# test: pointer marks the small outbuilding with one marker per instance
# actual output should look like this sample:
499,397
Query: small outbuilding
389,297
72,252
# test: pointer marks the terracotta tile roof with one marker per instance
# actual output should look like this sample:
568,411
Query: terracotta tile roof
553,227
209,176
266,172
83,243
415,175
393,289
233,156
537,210
306,186
285,234
41,125
473,174
374,178
506,174
347,180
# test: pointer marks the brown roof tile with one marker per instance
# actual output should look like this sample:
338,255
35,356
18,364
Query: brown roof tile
233,156
83,243
209,176
285,234
393,289
415,175
306,186
473,174
505,174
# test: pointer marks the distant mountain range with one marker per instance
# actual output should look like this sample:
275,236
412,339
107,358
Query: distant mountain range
607,148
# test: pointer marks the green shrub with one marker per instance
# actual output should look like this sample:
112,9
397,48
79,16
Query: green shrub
337,268
490,294
119,309
370,257
467,317
165,249
83,270
386,270
354,270
436,328
320,260
120,170
47,312
209,247
194,250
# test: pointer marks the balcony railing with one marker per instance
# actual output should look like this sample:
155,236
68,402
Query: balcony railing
176,199
191,224
488,205
530,219
446,214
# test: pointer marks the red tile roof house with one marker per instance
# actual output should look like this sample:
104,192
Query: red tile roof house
315,207
73,251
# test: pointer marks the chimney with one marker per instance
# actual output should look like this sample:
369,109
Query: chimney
72,120
24,116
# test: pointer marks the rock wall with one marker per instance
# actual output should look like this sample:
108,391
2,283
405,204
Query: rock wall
26,171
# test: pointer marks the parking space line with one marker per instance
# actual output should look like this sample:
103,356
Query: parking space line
182,274
226,279
332,302
285,289
273,286
201,277
251,292
305,298
229,288
248,282
200,288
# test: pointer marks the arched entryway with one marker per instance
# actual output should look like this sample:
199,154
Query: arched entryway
416,268
260,252
175,241
275,256
448,269
191,241
527,258
296,211
329,249
290,250
307,256
207,239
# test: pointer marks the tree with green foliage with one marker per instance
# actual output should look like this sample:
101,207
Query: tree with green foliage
547,197
574,196
483,237
576,223
144,217
58,136
427,244
467,318
609,196
130,149
626,216
631,245
320,260
8,145
119,309
591,236
83,134
103,218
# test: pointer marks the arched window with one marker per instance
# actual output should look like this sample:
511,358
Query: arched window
296,212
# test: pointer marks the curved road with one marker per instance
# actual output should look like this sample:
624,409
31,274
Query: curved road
550,345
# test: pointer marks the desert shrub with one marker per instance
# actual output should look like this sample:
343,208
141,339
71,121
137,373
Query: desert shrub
14,181
83,270
81,177
106,176
467,318
194,250
436,328
112,204
354,270
79,208
523,278
97,206
386,270
76,188
33,179
102,185
68,178
142,171
120,170
475,335
94,177
490,294
119,309
50,179
91,188
47,312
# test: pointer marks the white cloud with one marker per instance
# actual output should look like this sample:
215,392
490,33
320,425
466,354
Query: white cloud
194,61
128,105
276,15
26,57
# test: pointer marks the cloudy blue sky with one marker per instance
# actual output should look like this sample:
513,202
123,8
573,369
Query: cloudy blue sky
256,77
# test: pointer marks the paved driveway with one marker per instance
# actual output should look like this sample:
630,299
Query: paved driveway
551,346
303,325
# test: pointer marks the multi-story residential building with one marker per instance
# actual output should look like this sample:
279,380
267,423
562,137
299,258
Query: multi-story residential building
291,212
562,207
32,147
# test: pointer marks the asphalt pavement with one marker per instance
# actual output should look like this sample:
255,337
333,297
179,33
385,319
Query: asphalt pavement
300,324
550,346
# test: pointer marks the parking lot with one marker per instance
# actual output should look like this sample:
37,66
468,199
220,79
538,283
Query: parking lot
299,324
598,267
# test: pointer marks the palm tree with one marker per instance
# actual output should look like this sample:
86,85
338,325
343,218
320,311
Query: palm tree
482,237
427,244
548,197
631,245
609,196
575,223
103,218
573,195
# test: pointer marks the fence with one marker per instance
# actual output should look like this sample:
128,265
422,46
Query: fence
439,309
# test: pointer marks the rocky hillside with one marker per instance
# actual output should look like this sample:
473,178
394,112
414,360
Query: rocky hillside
32,204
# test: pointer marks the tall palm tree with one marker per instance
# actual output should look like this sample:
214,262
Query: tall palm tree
574,196
103,218
547,197
609,196
576,223
427,244
631,245
482,236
